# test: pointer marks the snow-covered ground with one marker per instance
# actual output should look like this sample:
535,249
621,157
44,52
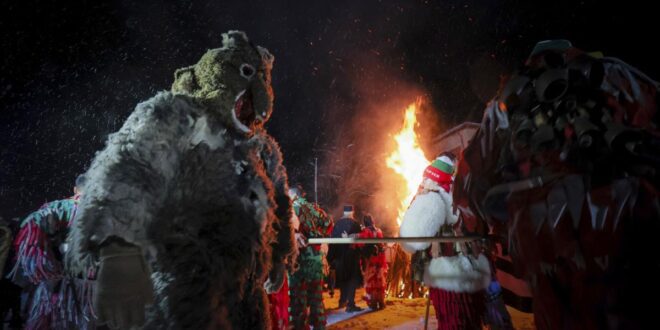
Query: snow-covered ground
400,314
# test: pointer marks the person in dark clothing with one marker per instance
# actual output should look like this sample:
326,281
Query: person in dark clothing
345,260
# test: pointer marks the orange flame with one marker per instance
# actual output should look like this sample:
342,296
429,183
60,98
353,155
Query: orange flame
408,159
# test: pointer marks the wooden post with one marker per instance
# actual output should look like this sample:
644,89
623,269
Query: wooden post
428,307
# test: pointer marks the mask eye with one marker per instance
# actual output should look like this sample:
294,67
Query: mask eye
247,71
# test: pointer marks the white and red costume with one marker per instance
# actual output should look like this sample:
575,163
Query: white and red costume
457,277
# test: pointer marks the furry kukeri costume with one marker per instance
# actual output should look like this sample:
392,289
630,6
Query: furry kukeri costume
566,163
306,283
194,184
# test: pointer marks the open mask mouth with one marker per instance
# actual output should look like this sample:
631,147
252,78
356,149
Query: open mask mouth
243,114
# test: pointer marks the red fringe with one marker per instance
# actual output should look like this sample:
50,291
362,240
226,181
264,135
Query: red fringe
458,310
34,258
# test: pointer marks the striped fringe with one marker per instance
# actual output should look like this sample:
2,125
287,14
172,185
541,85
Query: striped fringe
34,258
458,310
62,304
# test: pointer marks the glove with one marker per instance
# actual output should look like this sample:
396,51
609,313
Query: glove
123,286
275,279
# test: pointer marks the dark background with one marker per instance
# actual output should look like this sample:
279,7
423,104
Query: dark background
72,71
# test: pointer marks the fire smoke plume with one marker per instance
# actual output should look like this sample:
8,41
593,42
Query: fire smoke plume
355,168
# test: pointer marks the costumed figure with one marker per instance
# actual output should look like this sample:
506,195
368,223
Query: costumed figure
188,202
57,300
345,260
566,161
375,265
457,274
306,285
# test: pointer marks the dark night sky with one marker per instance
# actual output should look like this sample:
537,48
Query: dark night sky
72,71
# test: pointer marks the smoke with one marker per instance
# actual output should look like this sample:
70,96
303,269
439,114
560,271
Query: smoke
354,167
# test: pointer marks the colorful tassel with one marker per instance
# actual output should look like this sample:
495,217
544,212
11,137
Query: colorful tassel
58,301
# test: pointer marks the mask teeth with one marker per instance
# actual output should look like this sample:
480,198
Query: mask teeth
238,96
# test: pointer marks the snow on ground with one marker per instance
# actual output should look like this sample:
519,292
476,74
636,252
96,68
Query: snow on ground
400,314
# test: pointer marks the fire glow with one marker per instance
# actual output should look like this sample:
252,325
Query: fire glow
408,159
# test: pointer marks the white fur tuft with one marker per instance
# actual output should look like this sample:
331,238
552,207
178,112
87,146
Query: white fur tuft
202,134
458,273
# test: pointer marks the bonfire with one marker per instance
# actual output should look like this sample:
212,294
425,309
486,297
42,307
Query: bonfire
408,161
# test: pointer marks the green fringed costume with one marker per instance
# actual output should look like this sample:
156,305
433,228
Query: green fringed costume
306,284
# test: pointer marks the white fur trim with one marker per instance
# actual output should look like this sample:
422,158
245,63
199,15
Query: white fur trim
426,214
458,273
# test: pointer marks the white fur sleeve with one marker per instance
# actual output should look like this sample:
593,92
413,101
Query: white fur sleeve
128,180
423,218
452,218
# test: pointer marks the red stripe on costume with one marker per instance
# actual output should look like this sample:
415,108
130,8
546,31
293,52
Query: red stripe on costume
458,310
